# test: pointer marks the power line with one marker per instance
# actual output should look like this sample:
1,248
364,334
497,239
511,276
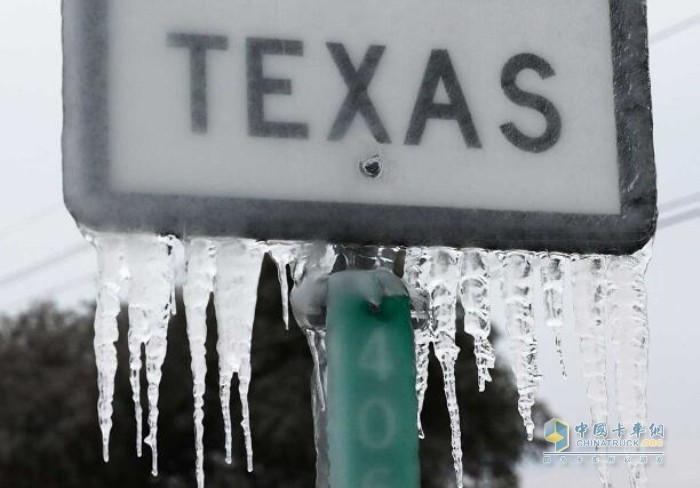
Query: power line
675,29
679,218
22,224
679,202
64,286
44,263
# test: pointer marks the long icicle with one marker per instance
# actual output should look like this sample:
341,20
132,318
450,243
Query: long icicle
238,266
314,261
474,292
283,254
310,266
151,265
316,338
552,268
590,288
517,293
414,273
111,276
630,341
442,284
138,329
199,285
422,340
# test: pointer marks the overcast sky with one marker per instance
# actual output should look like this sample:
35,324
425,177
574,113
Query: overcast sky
36,231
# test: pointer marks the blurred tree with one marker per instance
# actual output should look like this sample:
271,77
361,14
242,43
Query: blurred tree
49,435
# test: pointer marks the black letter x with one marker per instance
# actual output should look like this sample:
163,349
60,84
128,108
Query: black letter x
357,99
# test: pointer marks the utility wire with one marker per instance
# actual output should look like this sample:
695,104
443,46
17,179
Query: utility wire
44,263
675,29
678,219
25,222
655,38
72,284
679,202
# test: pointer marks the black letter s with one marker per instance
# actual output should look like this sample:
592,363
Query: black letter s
509,76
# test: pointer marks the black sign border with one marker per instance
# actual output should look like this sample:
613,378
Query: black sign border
95,206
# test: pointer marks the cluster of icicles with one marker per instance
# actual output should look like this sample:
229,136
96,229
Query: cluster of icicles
609,298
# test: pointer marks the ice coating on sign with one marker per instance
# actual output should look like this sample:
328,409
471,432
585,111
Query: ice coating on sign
517,295
552,268
283,254
590,287
238,264
111,276
630,342
314,262
602,286
199,285
437,271
312,258
151,266
311,265
474,293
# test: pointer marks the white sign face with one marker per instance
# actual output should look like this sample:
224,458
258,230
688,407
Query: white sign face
460,110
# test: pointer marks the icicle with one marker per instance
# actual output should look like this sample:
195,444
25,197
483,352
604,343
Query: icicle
437,272
111,275
150,306
552,276
517,293
238,265
137,336
317,344
630,341
422,339
448,358
312,264
199,285
314,261
414,273
283,254
316,339
474,291
443,285
590,297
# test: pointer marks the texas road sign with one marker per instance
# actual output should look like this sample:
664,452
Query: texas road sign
498,124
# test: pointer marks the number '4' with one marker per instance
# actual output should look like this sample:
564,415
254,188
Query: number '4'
376,357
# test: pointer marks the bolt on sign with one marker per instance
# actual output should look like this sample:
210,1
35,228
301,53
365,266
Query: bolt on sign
499,124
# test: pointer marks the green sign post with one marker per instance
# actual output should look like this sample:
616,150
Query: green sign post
372,432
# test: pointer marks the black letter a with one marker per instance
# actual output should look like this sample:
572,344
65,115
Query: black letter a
440,68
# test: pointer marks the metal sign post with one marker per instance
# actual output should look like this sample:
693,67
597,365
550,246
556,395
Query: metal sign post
372,406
